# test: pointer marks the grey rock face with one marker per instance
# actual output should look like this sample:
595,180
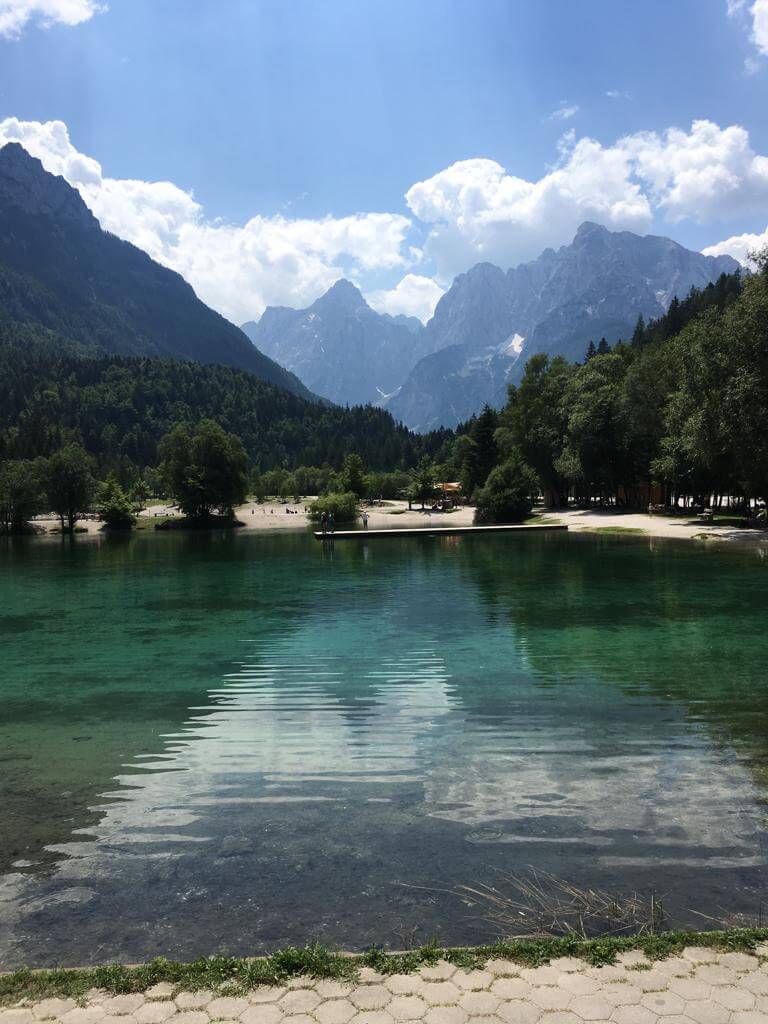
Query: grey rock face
489,323
340,347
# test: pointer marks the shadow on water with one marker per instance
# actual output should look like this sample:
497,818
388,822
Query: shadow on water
231,743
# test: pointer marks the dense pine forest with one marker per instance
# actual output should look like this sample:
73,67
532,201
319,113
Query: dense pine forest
679,413
119,408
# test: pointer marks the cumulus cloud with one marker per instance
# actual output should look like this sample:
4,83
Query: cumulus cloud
477,210
741,247
15,15
237,269
414,295
754,16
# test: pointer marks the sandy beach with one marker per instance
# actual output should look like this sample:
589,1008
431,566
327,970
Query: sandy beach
396,515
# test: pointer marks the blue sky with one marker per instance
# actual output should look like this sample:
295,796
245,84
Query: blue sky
296,112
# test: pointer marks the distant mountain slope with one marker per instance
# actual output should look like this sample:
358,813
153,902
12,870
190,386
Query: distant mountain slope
61,271
489,323
340,347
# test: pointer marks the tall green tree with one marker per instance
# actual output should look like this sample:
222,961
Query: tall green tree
114,506
423,486
21,495
68,482
477,452
204,468
352,475
508,494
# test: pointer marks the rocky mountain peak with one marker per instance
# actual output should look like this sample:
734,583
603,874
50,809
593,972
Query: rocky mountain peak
26,185
342,294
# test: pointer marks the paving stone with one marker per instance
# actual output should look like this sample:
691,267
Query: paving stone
298,1018
80,1015
473,981
633,1015
707,1011
191,1017
733,998
518,1011
567,964
562,1017
265,1013
748,1017
578,984
404,984
700,954
510,988
674,966
607,973
502,968
632,957
591,1008
264,994
49,1008
162,990
738,961
541,975
479,1002
407,1008
446,1015
193,1000
651,981
621,995
368,976
226,1008
371,997
716,975
155,1012
663,1003
19,1015
329,988
441,971
549,997
335,1011
690,988
755,982
440,993
119,1006
373,1017
124,1018
299,1000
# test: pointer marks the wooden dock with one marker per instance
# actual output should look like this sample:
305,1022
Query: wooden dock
432,531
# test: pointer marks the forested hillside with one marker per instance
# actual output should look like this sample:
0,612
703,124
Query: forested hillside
118,408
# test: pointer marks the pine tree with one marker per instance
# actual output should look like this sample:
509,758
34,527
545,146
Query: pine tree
603,348
591,351
638,335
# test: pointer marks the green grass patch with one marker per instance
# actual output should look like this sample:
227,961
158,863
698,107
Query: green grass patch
541,520
233,974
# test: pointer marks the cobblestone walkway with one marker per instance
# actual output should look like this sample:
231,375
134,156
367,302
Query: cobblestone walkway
699,987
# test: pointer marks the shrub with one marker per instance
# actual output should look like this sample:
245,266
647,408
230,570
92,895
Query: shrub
343,506
114,506
507,495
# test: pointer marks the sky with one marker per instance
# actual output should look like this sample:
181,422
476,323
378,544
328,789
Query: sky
265,148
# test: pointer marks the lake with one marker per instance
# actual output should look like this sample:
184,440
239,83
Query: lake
219,743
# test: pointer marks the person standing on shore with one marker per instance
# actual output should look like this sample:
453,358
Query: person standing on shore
365,519
330,522
324,522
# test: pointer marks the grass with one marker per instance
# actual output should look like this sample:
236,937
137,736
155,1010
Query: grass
537,519
233,974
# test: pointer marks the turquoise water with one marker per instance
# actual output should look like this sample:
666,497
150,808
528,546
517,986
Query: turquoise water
231,743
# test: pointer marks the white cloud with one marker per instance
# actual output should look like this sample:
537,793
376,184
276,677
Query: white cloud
759,12
237,269
564,112
413,295
15,15
617,94
476,210
741,247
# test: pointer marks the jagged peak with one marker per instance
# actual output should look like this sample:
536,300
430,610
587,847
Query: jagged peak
25,183
342,292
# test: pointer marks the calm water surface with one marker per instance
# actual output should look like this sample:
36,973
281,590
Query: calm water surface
232,743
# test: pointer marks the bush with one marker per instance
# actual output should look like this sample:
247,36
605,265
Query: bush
507,495
343,506
114,506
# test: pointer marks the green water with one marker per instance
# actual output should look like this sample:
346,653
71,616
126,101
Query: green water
230,743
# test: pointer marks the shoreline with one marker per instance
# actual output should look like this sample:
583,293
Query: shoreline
396,516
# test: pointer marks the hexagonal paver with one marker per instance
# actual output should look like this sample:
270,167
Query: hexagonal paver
372,1017
407,1008
473,981
120,1006
621,994
663,1003
191,1017
404,984
511,988
541,975
440,993
441,971
518,1011
733,998
80,1015
162,990
707,1011
370,997
298,1018
446,1015
335,1011
19,1015
651,981
756,982
476,1003
690,988
566,964
368,976
738,961
562,1017
748,1017
264,994
715,974
193,1000
48,1008
299,1000
591,1008
502,968
265,1013
550,997
633,1015
226,1008
155,1012
633,958
329,988
700,955
578,984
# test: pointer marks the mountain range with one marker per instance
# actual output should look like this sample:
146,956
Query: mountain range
485,327
60,272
